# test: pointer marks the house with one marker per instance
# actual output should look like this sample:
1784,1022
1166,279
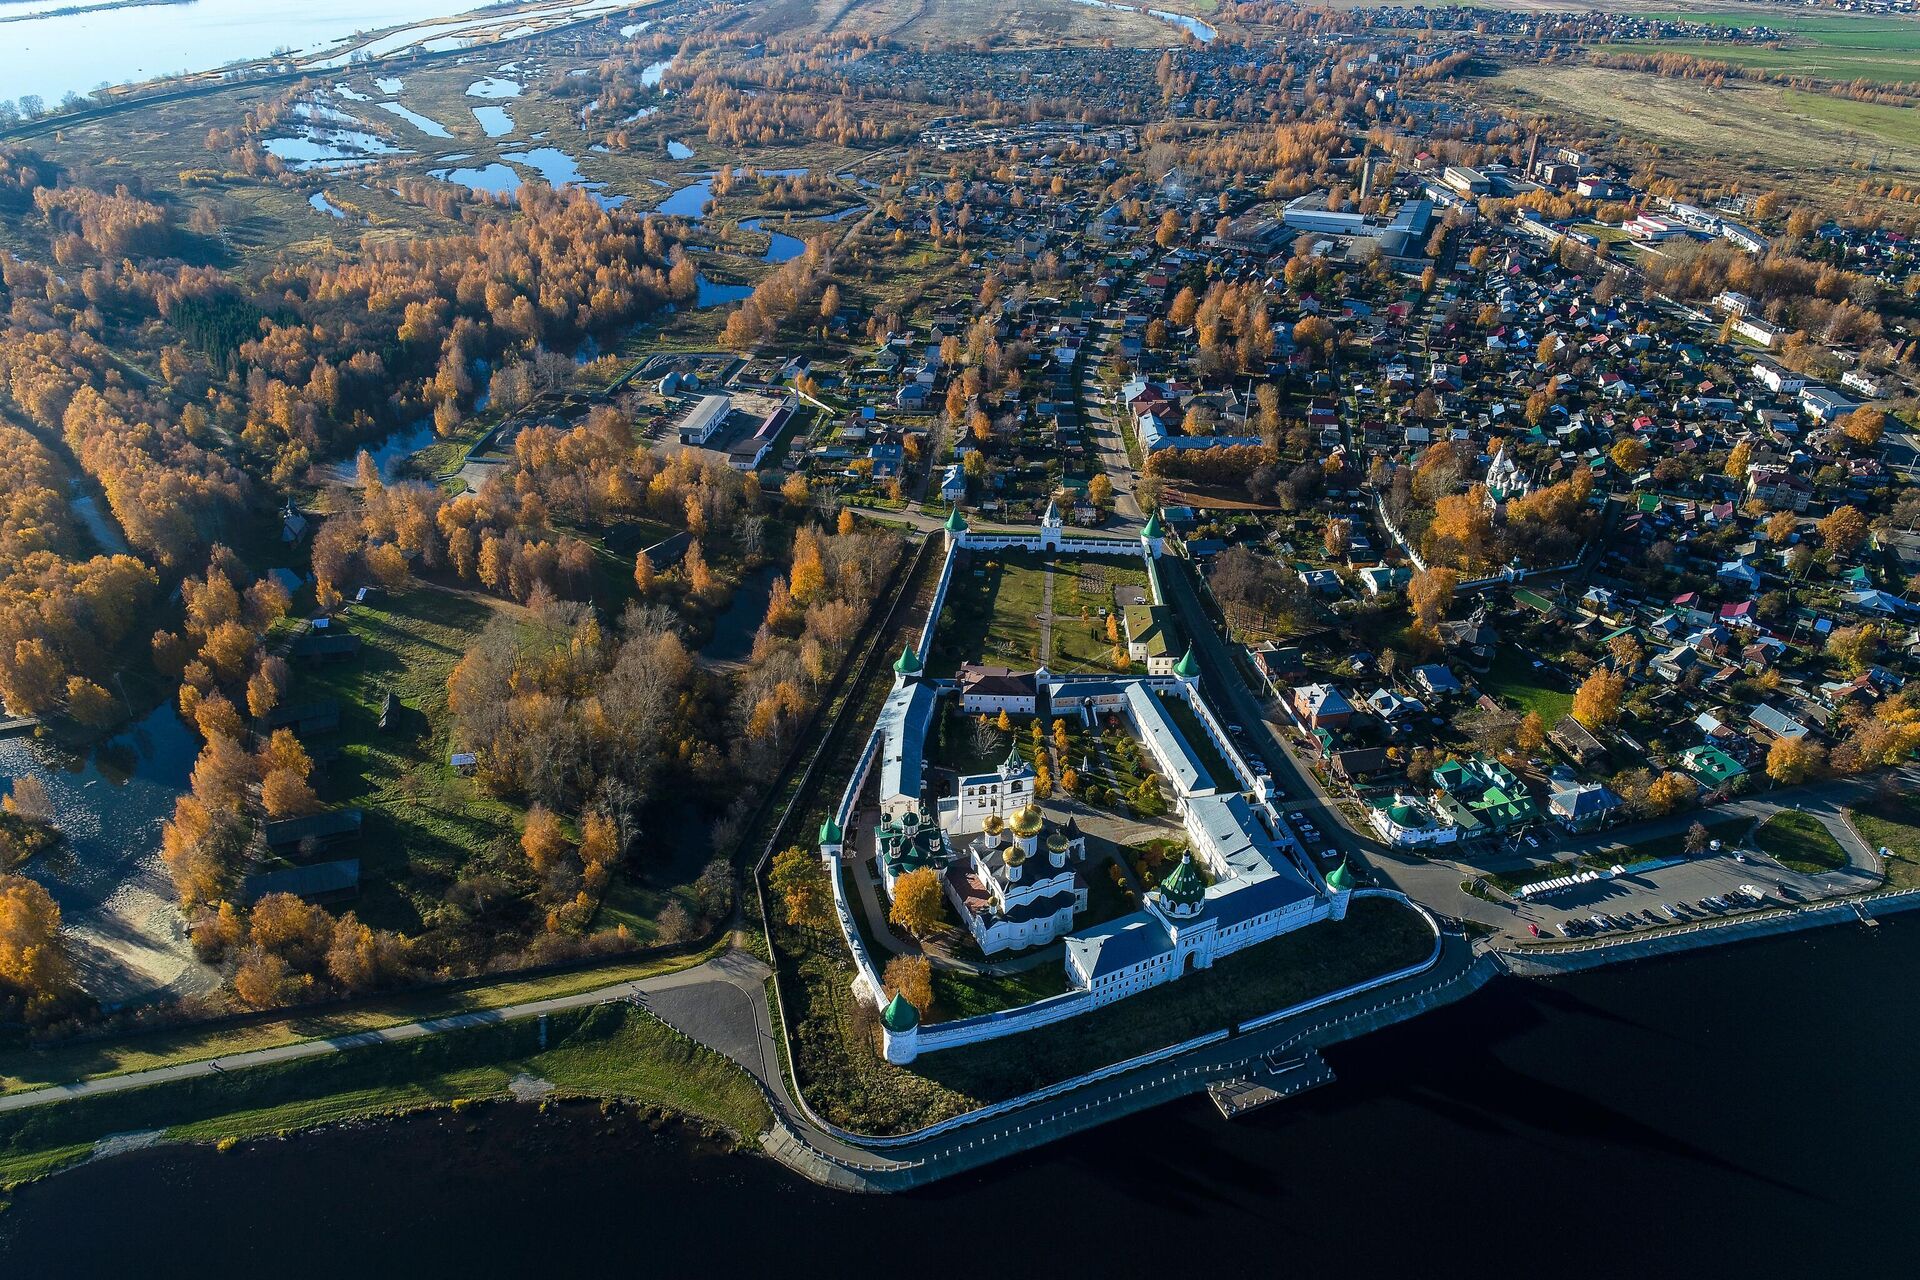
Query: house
1321,706
1739,575
1150,637
1435,680
1395,710
1482,796
988,690
320,829
1379,579
1409,822
1711,767
1584,806
1356,763
1325,581
1774,723
320,882
1576,742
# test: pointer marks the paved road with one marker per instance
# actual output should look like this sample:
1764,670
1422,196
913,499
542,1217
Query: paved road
702,973
1104,430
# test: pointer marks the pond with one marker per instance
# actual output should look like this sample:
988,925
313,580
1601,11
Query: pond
651,73
320,204
432,128
330,148
494,87
494,121
688,202
734,629
1199,30
678,150
493,179
390,84
781,247
106,535
388,454
715,293
109,803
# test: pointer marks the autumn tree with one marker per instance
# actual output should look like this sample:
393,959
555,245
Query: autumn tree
797,878
1842,530
1670,791
36,975
1429,595
1531,735
542,840
1596,703
1864,426
1794,760
919,903
910,977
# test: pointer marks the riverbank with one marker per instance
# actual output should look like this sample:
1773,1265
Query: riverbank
1718,1092
607,1051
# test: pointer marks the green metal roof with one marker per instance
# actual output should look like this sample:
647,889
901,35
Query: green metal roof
899,1015
1184,884
1153,526
956,523
1340,877
830,832
908,662
1188,666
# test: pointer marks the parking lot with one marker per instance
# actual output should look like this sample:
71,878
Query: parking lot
1684,887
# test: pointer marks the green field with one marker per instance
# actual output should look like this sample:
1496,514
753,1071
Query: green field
424,822
1895,124
1513,679
1800,843
994,607
1893,823
1838,48
606,1051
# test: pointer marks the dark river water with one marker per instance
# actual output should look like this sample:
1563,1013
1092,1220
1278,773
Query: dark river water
1748,1111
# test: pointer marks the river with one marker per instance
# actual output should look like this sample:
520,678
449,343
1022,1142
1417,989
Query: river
51,54
1742,1111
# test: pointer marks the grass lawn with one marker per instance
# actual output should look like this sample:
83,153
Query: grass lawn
610,1051
1893,823
63,1064
1513,679
1800,843
990,614
994,607
424,822
965,995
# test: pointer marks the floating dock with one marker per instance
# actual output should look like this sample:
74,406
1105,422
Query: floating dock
1275,1080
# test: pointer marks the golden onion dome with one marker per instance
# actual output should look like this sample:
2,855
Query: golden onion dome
1015,856
994,824
1057,841
1027,822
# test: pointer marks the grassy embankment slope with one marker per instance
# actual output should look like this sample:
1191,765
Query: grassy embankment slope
610,1051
